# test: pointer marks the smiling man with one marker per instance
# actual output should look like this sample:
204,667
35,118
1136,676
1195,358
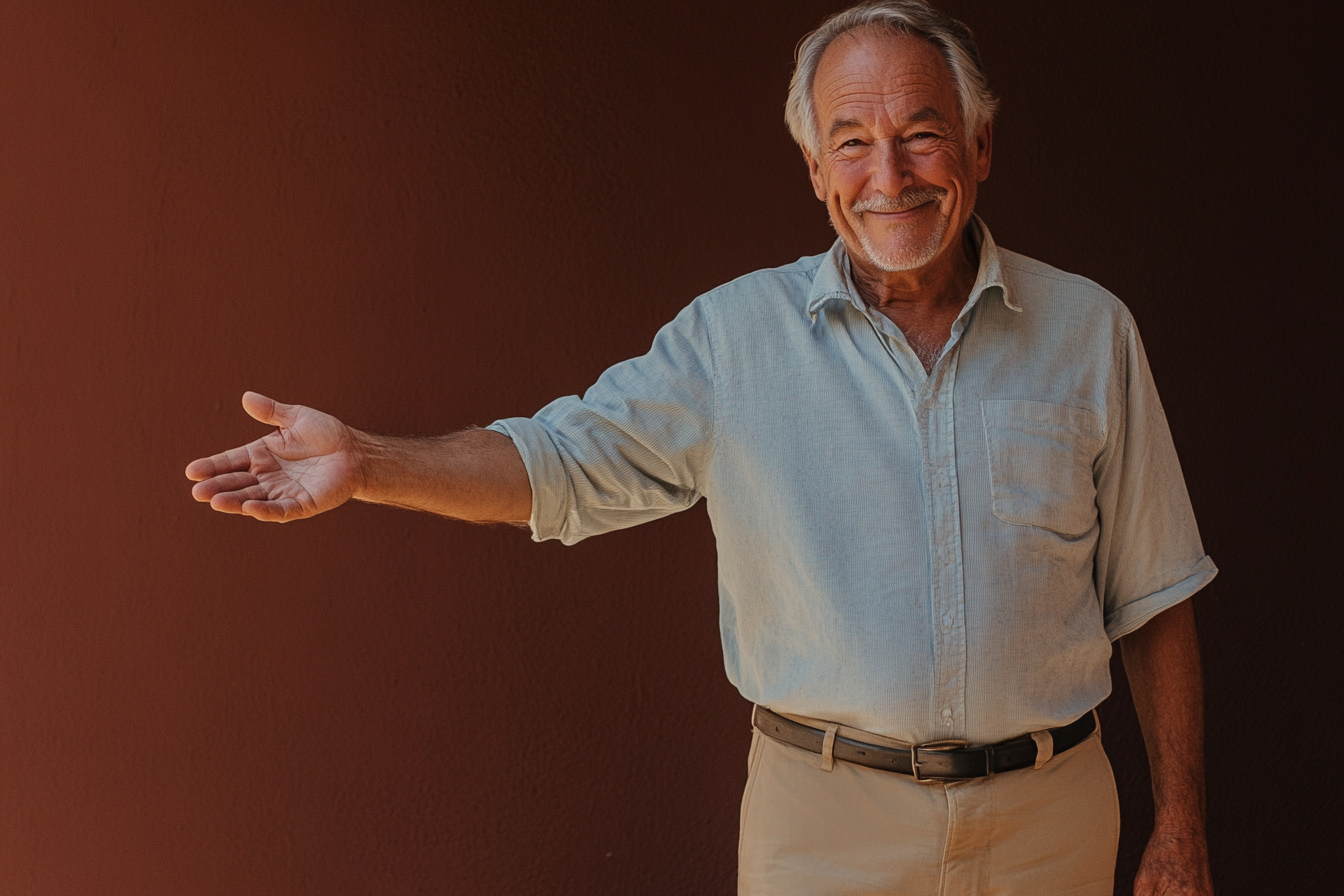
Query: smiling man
941,485
898,169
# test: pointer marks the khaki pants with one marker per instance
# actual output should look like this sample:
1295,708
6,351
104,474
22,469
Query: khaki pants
854,830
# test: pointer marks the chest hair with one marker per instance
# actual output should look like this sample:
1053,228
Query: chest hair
928,347
928,336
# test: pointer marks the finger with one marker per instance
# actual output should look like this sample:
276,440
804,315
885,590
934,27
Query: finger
268,410
227,482
279,511
228,462
232,502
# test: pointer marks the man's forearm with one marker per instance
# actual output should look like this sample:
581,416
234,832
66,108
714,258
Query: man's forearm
1162,663
474,475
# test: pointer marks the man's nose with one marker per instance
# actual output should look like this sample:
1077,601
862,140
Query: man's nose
893,169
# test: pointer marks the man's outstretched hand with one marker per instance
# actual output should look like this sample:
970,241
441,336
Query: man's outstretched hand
310,464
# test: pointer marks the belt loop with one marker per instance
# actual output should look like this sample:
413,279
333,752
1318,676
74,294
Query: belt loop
1045,746
828,748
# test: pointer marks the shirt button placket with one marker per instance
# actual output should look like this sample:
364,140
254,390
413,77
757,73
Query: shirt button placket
949,635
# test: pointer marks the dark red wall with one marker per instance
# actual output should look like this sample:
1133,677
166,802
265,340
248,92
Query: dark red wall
419,217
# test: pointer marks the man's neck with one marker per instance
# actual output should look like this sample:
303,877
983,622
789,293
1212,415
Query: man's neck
925,302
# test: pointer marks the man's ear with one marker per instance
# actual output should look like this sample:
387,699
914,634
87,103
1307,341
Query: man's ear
984,149
814,172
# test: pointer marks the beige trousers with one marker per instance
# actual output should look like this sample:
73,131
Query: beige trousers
1047,831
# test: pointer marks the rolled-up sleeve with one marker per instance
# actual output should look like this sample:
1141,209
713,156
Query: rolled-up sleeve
634,448
1149,554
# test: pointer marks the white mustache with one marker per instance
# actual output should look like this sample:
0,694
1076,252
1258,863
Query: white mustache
903,202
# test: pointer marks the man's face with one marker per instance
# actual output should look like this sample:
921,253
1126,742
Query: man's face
893,163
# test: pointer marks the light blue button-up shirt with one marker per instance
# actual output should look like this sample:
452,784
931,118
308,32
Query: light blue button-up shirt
924,556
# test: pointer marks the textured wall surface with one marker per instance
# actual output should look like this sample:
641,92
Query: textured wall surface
419,216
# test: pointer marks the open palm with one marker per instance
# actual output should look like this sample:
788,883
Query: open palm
308,465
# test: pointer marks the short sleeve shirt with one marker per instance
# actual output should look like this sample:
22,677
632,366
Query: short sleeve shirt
922,555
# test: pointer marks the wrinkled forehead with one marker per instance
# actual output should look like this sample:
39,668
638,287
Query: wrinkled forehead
880,66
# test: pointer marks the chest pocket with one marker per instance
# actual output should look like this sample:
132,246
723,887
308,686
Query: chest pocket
1040,464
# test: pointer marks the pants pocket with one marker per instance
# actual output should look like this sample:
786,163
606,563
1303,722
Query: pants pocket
753,759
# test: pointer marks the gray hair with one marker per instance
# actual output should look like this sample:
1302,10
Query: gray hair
951,38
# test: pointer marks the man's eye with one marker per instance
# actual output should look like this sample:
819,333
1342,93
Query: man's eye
854,141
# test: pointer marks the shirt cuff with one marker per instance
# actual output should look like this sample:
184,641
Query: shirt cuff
1133,615
545,473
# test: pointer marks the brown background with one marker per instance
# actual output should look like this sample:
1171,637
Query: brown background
419,216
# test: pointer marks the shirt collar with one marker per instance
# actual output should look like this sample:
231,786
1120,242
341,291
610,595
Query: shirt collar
834,282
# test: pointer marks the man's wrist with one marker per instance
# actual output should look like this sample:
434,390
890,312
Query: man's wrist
366,450
1179,830
1178,799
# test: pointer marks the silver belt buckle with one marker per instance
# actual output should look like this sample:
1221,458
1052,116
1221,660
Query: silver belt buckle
933,746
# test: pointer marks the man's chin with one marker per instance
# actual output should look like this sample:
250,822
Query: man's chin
894,259
900,248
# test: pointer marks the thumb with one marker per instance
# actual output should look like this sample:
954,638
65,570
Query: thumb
268,410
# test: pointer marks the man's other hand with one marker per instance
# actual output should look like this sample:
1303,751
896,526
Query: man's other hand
1174,865
310,464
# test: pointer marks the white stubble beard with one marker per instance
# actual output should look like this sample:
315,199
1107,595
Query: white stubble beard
904,256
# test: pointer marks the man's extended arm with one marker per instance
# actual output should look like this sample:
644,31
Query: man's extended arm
313,463
1162,663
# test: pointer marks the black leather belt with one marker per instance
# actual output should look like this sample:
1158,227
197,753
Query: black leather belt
937,761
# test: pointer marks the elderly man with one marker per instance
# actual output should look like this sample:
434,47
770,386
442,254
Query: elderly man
941,484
